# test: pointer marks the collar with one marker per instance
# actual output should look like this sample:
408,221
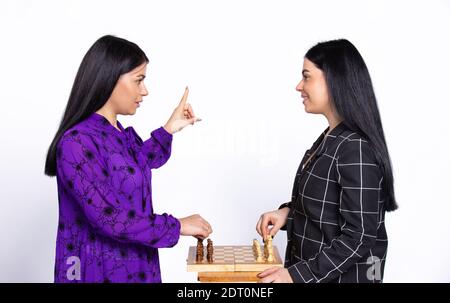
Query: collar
324,140
128,134
104,124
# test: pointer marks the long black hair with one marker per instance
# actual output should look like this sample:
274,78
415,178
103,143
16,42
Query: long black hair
351,91
107,59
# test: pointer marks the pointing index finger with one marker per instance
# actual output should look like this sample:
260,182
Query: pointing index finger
184,98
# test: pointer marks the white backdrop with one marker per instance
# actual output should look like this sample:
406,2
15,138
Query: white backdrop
242,61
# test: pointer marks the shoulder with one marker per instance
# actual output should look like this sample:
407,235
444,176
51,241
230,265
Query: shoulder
354,147
78,137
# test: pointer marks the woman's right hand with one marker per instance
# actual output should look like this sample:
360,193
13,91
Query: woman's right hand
270,223
195,226
182,116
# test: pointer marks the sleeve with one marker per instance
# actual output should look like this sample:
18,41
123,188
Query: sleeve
82,173
289,205
156,150
360,179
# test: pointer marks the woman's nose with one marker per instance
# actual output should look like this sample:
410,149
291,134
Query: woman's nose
144,91
299,86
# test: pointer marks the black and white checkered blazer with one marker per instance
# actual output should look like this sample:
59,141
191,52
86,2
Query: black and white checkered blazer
335,226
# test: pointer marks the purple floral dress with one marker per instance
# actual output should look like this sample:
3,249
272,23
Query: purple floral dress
107,229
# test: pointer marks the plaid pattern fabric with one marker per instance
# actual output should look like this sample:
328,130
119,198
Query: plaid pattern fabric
335,226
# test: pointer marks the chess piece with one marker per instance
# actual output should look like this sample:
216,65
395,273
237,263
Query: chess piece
255,246
257,251
209,251
268,249
199,252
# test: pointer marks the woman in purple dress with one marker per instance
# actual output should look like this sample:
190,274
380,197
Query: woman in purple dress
108,231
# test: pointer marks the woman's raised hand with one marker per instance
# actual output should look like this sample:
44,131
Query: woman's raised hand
182,116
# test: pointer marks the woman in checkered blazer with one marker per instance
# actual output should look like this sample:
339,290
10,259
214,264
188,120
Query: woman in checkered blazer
344,184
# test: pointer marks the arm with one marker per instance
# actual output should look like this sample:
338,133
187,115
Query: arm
285,205
360,186
156,150
84,176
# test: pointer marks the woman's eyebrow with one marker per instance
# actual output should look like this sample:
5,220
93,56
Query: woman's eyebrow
305,70
143,76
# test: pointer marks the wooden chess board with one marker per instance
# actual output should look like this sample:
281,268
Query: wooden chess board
231,258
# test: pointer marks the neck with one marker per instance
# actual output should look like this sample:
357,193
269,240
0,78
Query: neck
333,121
109,115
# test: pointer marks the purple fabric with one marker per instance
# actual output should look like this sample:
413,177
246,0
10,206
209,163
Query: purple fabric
107,229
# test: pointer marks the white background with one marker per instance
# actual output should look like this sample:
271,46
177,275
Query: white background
242,61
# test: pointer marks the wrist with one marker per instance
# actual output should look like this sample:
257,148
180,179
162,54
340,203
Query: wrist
168,129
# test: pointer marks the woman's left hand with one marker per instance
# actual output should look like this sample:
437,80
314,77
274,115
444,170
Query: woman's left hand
182,116
275,275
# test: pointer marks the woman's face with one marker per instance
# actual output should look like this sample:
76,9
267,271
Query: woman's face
129,91
314,90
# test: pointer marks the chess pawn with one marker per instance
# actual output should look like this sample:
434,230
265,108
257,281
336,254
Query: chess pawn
255,243
256,247
210,246
268,250
199,257
257,251
269,240
199,252
259,256
209,251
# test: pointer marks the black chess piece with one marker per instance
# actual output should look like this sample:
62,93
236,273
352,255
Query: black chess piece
209,251
199,252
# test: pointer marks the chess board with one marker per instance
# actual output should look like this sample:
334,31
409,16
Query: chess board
230,259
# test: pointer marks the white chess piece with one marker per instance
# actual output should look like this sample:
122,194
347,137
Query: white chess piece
268,249
257,251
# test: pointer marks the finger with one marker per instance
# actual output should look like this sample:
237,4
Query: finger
267,272
204,224
184,98
190,110
267,279
203,233
274,230
192,120
207,228
265,226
